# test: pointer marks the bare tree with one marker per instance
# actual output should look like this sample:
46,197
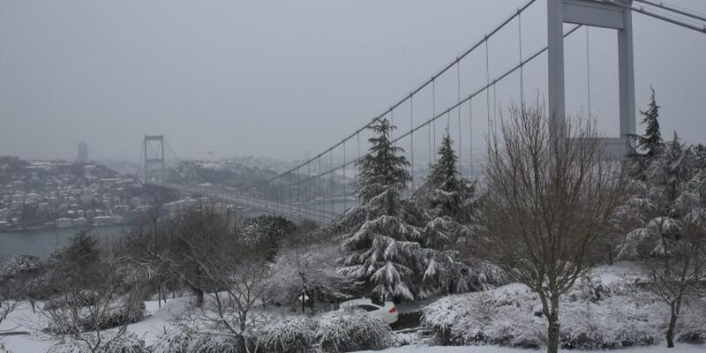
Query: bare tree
308,272
677,270
226,271
551,196
95,301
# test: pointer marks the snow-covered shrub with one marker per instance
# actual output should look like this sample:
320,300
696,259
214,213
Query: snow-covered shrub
19,264
117,313
693,318
352,330
122,312
67,346
129,343
405,338
484,318
290,334
214,343
171,341
593,316
83,298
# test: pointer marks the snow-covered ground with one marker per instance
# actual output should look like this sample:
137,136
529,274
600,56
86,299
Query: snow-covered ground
24,320
683,348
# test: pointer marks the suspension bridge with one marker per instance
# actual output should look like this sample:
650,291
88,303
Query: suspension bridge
321,188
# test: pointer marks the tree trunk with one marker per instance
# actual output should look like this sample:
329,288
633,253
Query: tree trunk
553,331
672,324
243,345
199,297
553,335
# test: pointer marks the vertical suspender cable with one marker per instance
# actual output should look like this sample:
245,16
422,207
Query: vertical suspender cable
495,107
429,141
308,184
458,90
357,169
522,69
588,70
487,78
433,110
331,193
322,206
392,124
411,137
470,135
344,176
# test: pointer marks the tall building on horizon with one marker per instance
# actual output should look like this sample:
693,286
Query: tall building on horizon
82,152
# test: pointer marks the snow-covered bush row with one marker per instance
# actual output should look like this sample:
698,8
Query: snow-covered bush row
214,343
291,334
171,341
593,316
121,312
128,343
352,330
340,331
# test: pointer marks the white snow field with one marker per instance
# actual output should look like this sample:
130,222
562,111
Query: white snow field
683,348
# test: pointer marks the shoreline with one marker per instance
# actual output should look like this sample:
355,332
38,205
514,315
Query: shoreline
37,229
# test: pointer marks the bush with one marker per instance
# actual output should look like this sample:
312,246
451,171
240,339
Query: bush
173,341
19,264
593,316
122,312
214,343
353,330
291,334
129,343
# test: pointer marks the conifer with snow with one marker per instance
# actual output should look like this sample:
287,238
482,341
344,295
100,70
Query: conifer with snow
670,236
381,237
668,191
447,200
650,143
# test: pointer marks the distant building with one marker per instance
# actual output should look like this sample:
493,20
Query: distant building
82,152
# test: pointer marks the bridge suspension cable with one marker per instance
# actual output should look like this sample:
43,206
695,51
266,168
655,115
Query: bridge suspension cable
490,34
429,122
670,15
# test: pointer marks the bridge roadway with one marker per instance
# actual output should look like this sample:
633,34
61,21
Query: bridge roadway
287,210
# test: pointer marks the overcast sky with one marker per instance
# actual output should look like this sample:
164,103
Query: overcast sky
280,78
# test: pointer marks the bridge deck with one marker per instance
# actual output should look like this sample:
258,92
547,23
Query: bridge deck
287,210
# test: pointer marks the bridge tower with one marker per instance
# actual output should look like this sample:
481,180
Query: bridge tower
616,15
153,148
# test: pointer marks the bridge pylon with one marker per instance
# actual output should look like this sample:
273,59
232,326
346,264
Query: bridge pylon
153,150
615,15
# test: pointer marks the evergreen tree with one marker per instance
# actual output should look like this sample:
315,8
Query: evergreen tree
672,189
448,202
380,237
651,141
445,193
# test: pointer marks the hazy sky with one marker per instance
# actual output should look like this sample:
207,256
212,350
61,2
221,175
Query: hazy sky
279,78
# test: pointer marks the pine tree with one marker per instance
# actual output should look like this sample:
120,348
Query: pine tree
448,202
380,239
651,141
668,204
446,192
670,190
